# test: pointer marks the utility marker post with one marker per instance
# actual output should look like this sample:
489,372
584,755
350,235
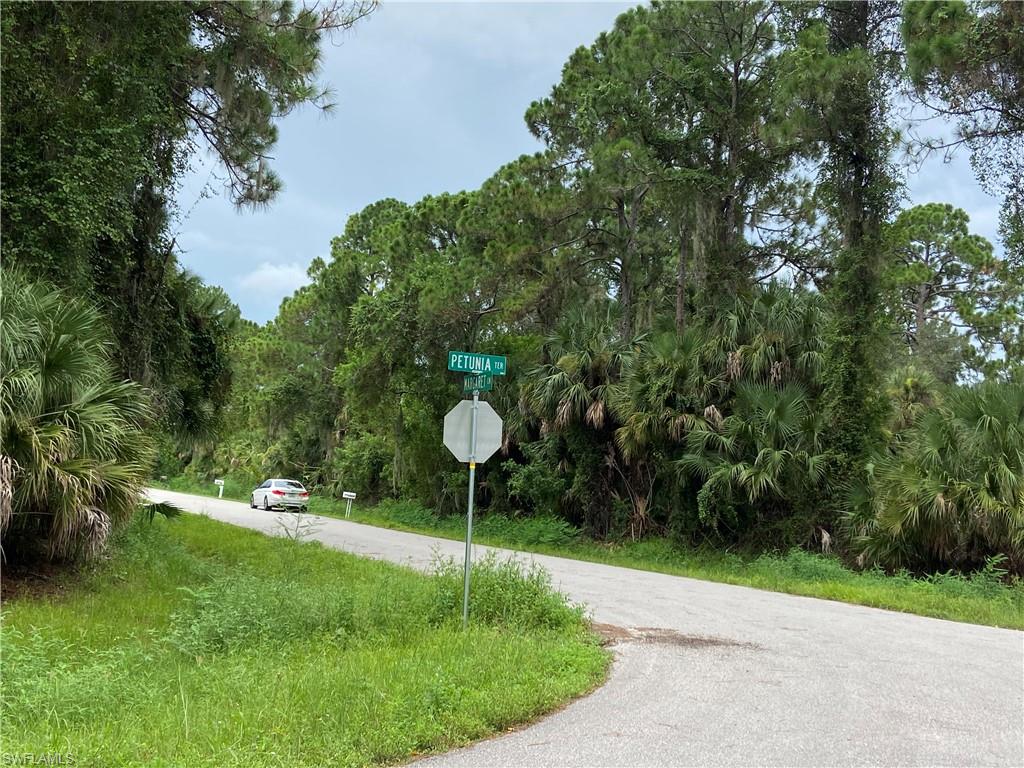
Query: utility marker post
472,432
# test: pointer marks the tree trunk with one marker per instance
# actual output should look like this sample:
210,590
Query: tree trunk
919,317
626,300
681,282
702,224
397,468
628,224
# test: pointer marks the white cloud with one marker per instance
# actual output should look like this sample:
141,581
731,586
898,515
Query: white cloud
508,34
274,280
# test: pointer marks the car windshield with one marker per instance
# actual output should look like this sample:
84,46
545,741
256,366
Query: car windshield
289,484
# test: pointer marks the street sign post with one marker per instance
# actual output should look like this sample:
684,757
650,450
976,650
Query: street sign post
220,488
481,382
472,432
473,362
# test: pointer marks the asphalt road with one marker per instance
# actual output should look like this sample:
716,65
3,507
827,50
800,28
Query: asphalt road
712,674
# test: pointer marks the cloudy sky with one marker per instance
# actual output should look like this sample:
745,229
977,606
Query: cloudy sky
430,98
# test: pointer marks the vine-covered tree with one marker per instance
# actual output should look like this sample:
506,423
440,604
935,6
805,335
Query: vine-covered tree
838,67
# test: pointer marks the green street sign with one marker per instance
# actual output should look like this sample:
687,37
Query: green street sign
471,362
483,382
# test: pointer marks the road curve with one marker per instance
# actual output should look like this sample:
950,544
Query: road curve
714,674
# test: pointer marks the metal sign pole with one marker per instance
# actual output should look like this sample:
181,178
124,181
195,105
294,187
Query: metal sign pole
469,513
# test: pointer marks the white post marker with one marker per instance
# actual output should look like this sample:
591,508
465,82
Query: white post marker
220,488
349,497
472,432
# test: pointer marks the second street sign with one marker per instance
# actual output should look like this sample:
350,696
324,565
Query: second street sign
471,362
483,382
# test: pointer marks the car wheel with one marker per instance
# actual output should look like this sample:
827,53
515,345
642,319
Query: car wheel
266,504
252,501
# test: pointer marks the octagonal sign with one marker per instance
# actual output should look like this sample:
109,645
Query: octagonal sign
458,428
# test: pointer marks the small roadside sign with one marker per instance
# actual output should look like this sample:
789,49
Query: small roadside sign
349,497
472,362
478,383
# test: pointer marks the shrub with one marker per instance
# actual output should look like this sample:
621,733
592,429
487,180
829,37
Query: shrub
362,464
245,610
523,532
505,593
950,493
241,611
537,483
805,566
542,530
411,514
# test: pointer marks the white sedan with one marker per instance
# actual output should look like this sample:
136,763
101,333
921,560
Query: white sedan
286,494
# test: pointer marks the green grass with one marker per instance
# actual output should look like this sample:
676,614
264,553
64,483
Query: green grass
983,598
202,644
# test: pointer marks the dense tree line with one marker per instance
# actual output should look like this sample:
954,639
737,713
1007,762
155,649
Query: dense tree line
103,105
719,324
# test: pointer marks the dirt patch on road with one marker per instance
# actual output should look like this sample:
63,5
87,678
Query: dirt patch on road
613,635
658,636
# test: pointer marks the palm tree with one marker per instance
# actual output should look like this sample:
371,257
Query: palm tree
72,446
570,398
587,356
663,388
912,392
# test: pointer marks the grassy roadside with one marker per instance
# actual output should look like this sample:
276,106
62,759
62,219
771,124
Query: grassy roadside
202,644
981,599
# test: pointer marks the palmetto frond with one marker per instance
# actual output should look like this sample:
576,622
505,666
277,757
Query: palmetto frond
589,357
72,435
771,338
